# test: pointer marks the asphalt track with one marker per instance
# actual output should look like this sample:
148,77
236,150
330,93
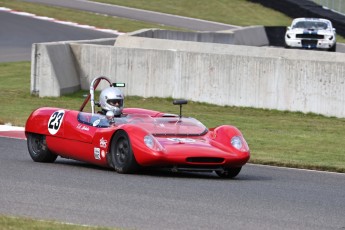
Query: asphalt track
260,197
18,33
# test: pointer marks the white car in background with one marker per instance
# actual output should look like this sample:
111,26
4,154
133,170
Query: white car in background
311,33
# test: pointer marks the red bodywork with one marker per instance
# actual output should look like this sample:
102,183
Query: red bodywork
69,135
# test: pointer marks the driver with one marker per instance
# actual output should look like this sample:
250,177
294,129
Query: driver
111,99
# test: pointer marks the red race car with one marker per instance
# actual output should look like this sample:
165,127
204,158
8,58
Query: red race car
138,138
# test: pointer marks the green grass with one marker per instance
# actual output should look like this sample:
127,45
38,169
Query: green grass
275,137
235,12
15,223
81,17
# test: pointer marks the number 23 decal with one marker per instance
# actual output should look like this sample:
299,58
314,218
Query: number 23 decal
55,121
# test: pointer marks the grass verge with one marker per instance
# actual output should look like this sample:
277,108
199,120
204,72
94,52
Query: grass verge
235,12
275,137
81,17
16,223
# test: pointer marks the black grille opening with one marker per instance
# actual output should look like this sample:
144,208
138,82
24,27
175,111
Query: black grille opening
310,36
205,159
309,42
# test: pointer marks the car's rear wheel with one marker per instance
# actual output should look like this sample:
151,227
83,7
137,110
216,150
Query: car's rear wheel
229,172
121,153
38,149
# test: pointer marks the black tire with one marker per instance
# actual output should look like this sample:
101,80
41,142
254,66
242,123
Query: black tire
122,155
38,149
229,172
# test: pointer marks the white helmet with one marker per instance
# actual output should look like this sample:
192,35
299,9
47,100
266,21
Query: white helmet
112,99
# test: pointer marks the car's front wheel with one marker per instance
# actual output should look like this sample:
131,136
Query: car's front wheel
38,149
229,172
121,153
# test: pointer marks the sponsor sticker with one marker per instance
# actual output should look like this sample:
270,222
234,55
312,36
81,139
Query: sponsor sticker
97,153
103,143
55,121
83,127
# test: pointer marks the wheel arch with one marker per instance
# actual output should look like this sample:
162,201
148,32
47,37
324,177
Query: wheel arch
38,148
136,139
224,134
130,164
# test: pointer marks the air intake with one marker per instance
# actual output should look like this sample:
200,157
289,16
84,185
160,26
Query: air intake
310,36
204,160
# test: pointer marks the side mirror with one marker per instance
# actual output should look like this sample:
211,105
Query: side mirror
180,102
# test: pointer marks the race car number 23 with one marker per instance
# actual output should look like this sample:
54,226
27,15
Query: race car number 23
55,121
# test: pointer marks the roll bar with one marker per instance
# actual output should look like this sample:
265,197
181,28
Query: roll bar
95,82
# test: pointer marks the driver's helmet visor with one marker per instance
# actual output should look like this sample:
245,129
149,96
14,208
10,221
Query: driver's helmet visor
115,102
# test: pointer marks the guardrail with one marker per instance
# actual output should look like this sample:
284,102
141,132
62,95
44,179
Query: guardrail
336,5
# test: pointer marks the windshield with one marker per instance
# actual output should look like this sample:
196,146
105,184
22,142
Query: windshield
177,126
316,25
154,125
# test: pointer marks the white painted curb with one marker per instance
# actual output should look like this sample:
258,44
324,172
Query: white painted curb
4,128
59,21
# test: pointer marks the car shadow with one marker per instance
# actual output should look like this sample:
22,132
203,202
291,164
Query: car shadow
168,173
71,162
162,172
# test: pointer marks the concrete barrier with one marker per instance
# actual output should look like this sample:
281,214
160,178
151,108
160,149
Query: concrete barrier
54,69
53,73
222,74
250,36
